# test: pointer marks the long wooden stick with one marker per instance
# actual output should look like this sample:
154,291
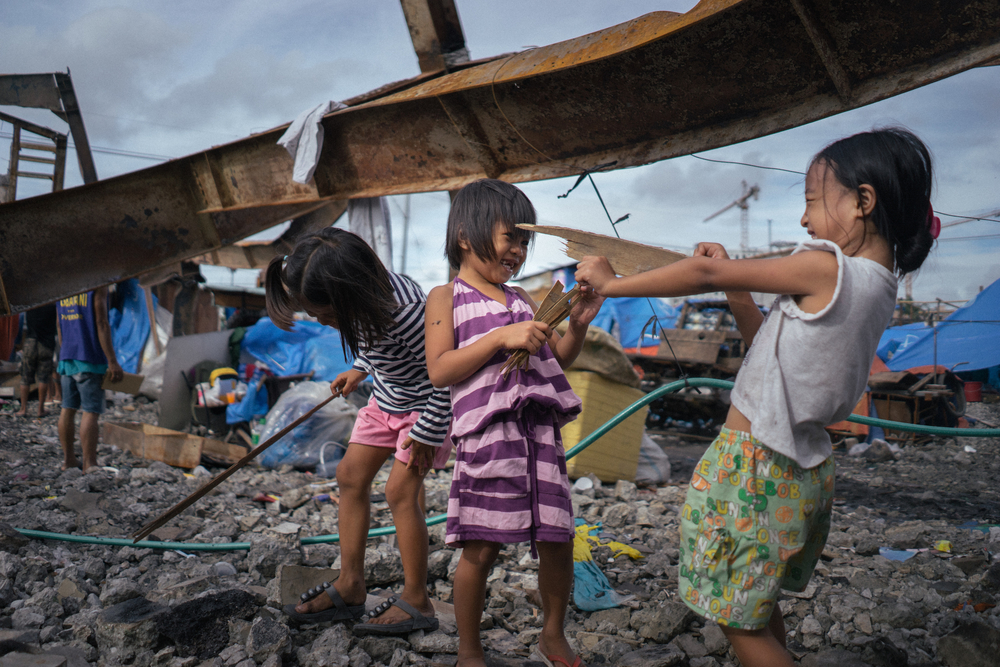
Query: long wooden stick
221,477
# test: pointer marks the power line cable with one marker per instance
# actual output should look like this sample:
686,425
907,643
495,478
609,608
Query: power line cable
747,164
965,218
111,151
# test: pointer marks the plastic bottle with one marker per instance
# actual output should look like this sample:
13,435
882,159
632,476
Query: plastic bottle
256,428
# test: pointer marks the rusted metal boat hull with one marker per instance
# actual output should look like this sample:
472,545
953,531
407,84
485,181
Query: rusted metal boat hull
656,87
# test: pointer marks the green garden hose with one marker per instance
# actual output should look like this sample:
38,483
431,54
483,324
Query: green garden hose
576,449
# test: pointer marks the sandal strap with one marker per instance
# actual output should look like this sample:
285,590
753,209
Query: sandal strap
383,606
558,658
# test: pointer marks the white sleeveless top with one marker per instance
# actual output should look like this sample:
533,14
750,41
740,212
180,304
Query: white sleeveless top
806,371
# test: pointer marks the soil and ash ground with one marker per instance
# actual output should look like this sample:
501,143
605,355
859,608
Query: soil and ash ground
120,605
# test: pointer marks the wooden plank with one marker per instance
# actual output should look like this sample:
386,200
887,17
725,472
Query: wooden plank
691,345
627,257
891,380
223,452
181,450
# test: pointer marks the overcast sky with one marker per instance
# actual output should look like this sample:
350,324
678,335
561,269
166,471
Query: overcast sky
163,80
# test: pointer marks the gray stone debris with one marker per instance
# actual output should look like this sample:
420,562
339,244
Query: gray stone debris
67,603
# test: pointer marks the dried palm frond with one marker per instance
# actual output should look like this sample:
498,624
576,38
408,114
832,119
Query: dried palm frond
555,308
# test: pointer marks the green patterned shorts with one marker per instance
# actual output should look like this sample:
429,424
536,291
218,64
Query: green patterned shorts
754,522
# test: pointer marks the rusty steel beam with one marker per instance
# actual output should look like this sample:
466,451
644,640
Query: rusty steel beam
436,33
37,91
655,87
71,114
257,255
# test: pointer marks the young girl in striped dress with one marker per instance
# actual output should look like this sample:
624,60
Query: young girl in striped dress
510,482
335,277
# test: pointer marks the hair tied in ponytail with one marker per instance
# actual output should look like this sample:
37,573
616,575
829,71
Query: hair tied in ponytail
933,222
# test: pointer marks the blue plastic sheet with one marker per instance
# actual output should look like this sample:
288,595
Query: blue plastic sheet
130,325
627,317
971,334
309,346
897,554
591,589
254,403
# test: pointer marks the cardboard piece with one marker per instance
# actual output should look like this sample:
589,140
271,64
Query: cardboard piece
695,346
183,352
156,443
129,384
626,257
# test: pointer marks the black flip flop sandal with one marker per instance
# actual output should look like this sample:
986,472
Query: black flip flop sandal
340,611
417,621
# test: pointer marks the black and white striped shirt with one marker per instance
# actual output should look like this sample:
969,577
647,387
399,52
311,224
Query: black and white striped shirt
398,367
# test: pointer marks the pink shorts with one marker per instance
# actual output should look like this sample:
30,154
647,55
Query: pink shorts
376,428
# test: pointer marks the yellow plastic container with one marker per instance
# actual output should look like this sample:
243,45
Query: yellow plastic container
615,455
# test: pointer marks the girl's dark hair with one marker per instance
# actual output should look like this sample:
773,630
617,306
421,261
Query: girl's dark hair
476,210
333,268
898,166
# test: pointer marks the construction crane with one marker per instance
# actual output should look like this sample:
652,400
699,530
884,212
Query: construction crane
744,206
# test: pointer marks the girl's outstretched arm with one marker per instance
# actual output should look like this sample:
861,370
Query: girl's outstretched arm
811,276
445,364
747,314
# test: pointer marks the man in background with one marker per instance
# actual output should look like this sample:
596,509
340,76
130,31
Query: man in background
86,354
36,355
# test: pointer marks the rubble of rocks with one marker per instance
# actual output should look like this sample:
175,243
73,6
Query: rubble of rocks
219,605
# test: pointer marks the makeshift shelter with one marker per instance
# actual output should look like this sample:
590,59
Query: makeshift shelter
967,340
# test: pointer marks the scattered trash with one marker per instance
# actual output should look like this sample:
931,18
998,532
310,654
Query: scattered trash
303,447
943,545
591,589
583,484
969,449
981,527
978,607
878,450
898,554
858,448
654,464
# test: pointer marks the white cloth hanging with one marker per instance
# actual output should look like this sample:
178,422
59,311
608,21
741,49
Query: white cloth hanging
304,139
369,219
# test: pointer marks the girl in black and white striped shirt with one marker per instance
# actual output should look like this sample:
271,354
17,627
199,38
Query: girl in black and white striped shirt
335,277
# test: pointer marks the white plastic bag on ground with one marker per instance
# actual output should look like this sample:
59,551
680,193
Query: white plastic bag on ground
654,464
302,447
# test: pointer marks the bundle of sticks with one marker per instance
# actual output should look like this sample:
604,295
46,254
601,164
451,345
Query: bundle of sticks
555,308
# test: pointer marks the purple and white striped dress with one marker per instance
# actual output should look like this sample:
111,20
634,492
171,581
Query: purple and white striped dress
510,482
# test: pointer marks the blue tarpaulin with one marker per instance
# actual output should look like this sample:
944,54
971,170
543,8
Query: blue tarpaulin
626,317
309,346
129,325
896,339
971,334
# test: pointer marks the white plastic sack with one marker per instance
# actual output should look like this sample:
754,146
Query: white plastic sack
654,464
303,445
